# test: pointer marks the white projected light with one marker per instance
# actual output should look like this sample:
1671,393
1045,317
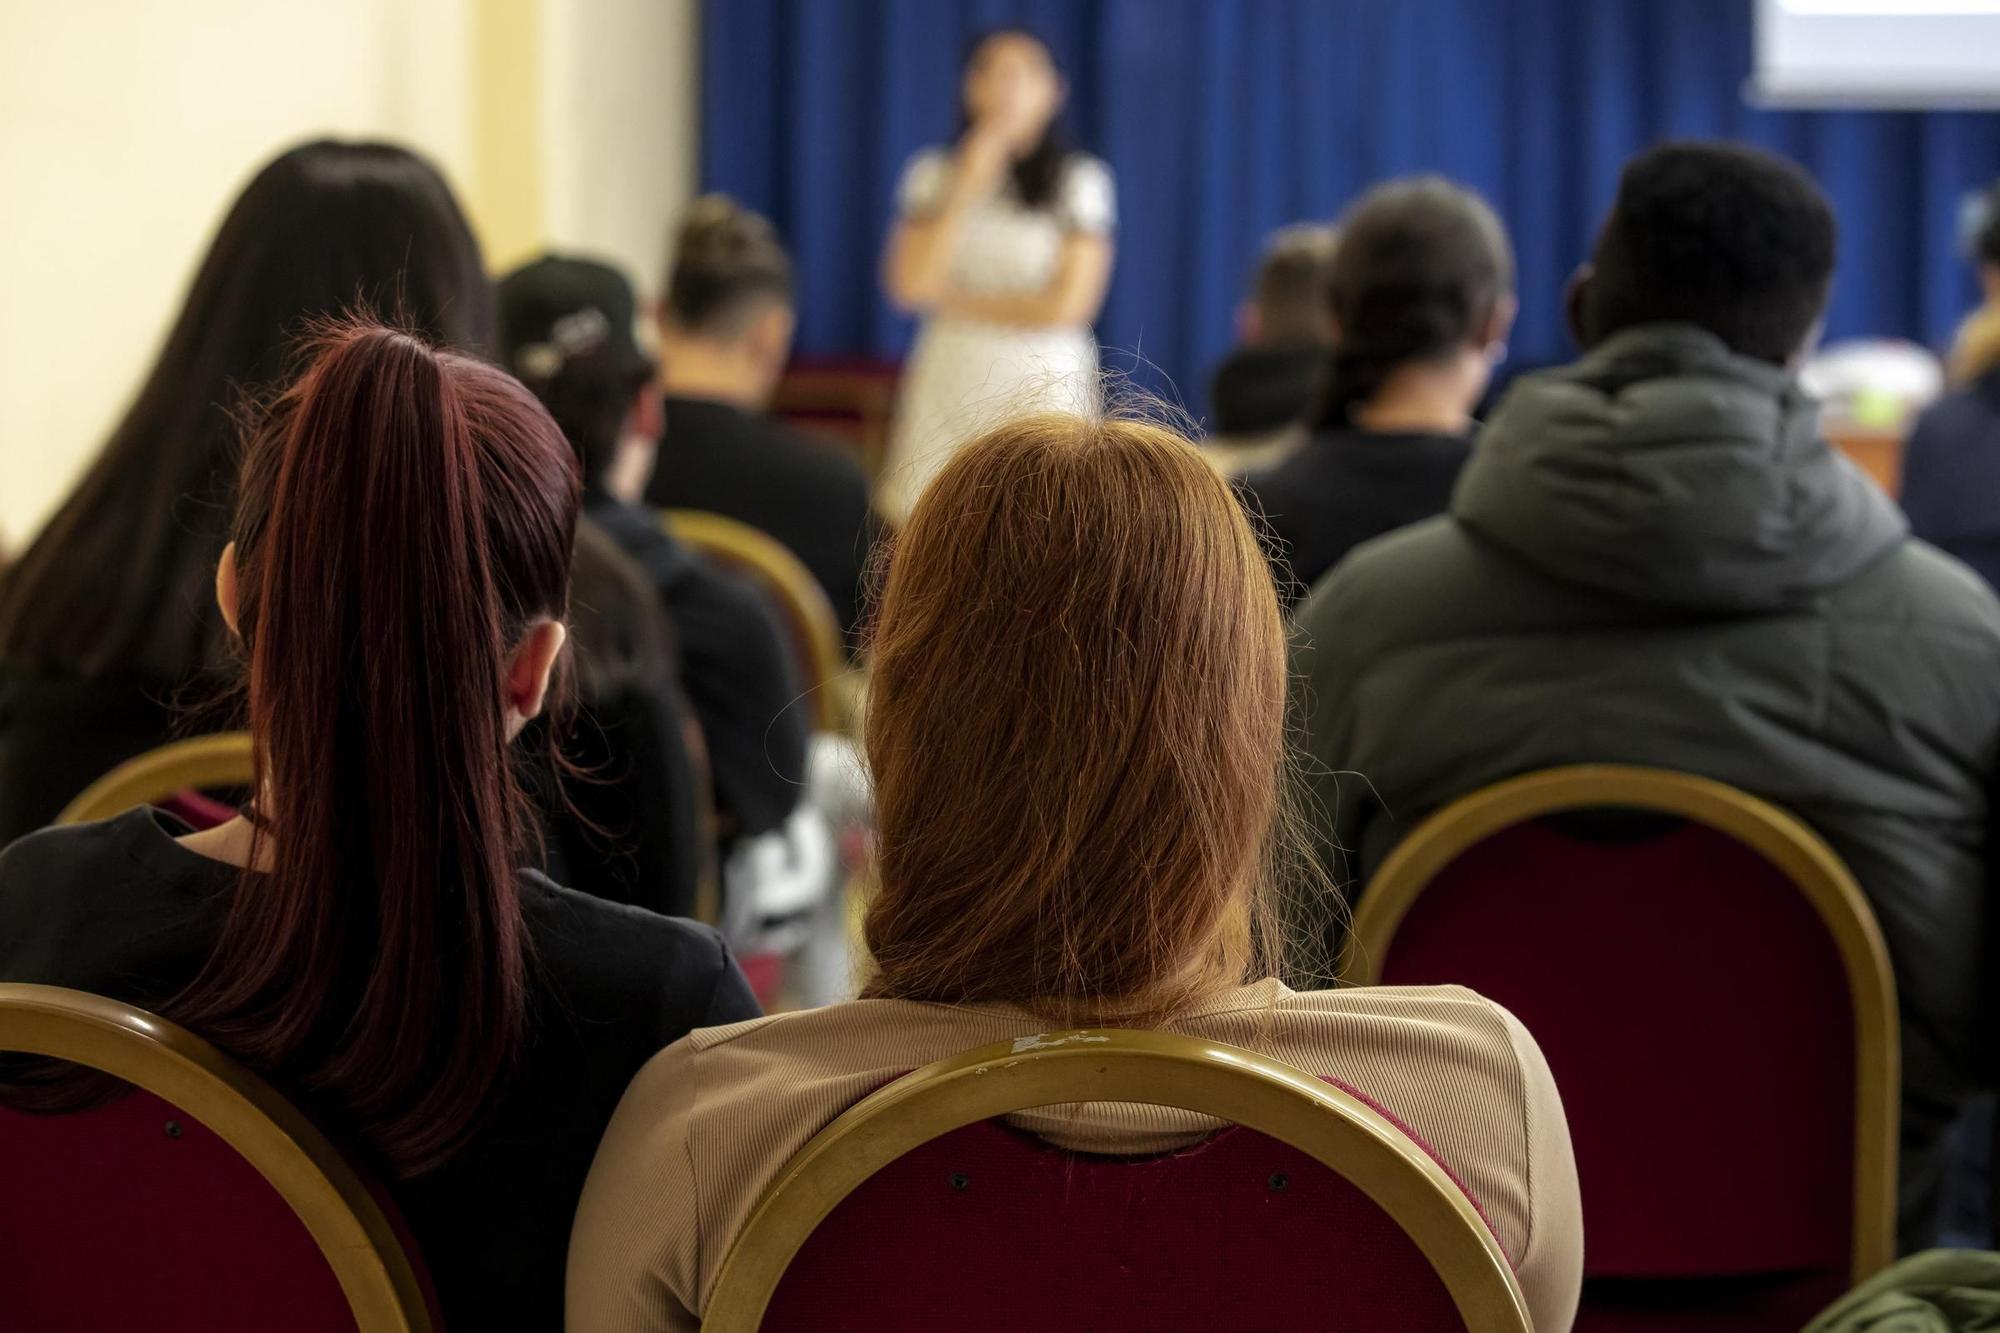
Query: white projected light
1891,53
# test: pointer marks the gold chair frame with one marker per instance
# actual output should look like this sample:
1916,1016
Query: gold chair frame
1782,839
360,1245
1152,1069
200,763
815,631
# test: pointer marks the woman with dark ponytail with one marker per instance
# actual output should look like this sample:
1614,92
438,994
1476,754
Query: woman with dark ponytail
1421,293
397,581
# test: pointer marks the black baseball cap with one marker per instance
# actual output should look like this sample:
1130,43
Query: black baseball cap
560,309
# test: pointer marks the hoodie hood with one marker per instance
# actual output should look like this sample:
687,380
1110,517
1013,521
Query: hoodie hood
1665,467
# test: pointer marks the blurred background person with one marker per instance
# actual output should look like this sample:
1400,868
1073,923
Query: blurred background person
1003,247
109,637
1259,396
1951,467
725,328
567,330
1420,296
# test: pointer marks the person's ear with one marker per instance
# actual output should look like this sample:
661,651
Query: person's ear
1501,322
769,343
774,334
1249,325
1808,345
529,671
225,587
1576,300
648,417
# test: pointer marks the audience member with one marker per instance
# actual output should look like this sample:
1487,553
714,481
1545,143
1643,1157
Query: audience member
628,809
725,332
1002,245
398,580
1260,394
567,331
108,635
1951,468
1654,558
1077,738
1421,293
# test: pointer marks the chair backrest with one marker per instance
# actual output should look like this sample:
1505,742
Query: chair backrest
179,771
200,1200
816,637
849,401
916,1210
1712,993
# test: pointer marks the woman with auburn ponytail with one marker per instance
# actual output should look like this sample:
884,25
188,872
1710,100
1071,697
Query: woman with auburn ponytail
397,580
1078,738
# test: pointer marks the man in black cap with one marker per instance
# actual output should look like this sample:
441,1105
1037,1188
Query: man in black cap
567,331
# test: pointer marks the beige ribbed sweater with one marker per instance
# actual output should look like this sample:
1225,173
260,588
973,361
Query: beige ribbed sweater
710,1121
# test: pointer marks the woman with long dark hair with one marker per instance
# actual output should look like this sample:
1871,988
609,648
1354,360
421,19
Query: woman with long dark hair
1003,246
1420,296
1077,740
397,582
108,629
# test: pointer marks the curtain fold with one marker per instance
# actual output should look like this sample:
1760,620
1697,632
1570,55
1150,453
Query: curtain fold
1224,119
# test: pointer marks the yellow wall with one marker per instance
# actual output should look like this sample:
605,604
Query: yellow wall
126,127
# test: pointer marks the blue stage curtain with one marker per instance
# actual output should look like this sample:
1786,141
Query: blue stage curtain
1226,118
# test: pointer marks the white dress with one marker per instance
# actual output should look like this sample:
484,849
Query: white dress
965,375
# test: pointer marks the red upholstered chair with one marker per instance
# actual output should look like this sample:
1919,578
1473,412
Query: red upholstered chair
201,1200
174,777
919,1209
1714,997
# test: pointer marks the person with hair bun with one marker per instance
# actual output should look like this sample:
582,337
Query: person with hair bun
1077,734
725,332
397,581
1420,296
1003,247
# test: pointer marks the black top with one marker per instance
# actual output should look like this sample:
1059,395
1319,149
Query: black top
759,471
1345,487
623,812
1951,474
60,733
122,909
1261,389
735,666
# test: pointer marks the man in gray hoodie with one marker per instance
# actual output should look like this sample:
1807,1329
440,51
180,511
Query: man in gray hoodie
1654,558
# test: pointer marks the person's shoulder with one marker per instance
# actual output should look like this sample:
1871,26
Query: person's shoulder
1447,1027
595,945
824,460
1087,168
1087,199
1458,1011
926,173
90,858
1926,592
1395,582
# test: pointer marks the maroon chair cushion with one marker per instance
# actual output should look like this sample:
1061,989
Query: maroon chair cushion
1696,1015
986,1228
135,1216
198,810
